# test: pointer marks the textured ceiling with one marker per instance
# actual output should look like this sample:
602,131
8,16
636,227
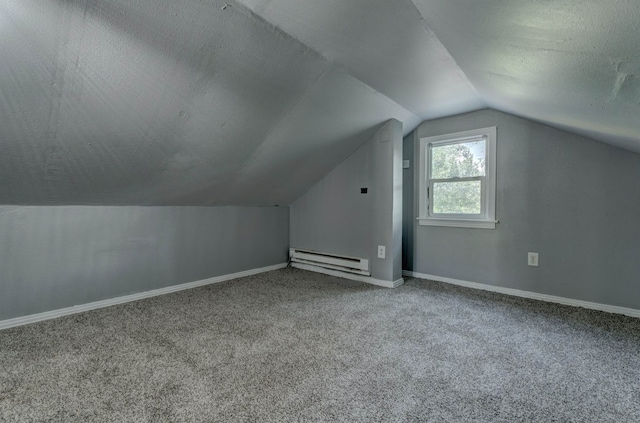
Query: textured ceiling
202,102
572,64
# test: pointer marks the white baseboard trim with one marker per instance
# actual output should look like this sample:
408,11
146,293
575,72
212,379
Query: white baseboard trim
528,294
25,320
345,275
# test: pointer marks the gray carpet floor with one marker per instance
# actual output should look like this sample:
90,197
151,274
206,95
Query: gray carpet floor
295,346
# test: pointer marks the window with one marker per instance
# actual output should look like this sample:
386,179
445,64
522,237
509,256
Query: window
458,179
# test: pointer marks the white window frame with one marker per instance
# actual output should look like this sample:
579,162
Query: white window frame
487,218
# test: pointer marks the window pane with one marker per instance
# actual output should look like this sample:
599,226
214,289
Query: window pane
463,160
457,197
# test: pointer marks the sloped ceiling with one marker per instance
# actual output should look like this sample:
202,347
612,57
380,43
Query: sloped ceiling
250,102
572,64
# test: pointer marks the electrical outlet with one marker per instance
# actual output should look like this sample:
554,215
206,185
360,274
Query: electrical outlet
382,251
533,259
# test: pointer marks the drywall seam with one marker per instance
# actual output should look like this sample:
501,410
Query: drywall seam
33,318
528,294
344,275
286,115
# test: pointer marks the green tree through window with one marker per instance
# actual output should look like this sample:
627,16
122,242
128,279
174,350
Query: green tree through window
457,184
456,177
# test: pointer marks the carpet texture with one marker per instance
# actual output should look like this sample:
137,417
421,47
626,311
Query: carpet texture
292,345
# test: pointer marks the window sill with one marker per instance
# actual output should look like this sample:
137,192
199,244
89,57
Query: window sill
458,223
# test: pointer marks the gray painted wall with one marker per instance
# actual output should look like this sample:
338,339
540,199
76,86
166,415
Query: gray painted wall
573,200
394,190
333,216
56,257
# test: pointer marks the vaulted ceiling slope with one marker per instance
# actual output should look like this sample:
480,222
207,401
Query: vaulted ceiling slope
572,64
163,102
250,102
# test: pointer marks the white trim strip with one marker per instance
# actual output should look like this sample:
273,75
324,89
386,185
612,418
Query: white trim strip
457,223
528,294
354,277
25,320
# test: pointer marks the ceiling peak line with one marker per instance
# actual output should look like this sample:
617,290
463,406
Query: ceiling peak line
457,67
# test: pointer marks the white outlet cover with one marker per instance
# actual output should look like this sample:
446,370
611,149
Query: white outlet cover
532,259
406,164
382,251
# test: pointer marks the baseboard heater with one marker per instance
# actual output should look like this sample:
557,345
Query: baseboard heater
359,266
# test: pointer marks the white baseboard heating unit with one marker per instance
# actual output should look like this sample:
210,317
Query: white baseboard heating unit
355,265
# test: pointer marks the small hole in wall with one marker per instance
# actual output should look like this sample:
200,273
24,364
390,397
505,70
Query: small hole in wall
364,190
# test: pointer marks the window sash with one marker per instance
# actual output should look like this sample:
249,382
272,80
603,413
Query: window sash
460,140
488,188
430,181
431,191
